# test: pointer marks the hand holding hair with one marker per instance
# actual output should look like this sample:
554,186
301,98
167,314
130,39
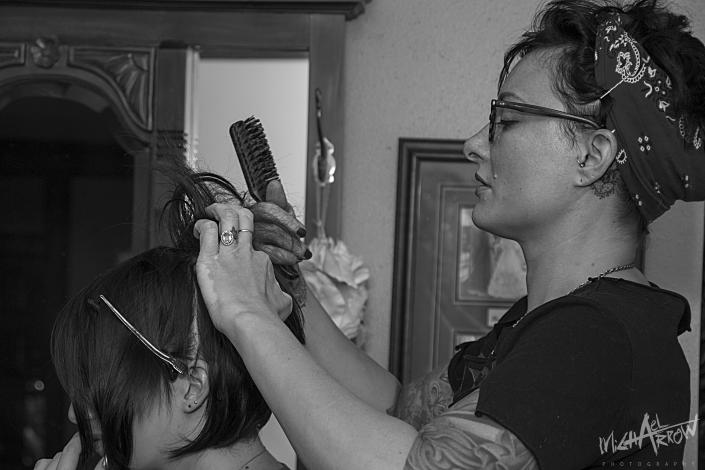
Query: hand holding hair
277,231
67,459
234,279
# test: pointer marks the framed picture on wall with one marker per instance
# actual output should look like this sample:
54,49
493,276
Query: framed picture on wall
452,281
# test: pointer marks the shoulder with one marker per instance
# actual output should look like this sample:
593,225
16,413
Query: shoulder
574,320
460,439
425,398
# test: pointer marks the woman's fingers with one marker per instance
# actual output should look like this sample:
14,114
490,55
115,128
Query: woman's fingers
67,459
246,228
70,454
274,235
206,231
276,254
270,213
227,215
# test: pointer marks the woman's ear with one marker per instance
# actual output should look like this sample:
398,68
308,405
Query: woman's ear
600,150
193,390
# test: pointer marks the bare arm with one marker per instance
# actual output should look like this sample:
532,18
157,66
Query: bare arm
345,362
277,234
329,426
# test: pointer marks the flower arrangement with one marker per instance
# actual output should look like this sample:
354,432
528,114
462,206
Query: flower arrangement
338,280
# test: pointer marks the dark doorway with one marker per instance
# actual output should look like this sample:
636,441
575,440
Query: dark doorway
66,187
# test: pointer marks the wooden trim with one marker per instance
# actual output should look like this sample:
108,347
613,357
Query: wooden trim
326,74
350,8
206,30
411,151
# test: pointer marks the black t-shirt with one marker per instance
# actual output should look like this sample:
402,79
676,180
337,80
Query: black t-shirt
580,373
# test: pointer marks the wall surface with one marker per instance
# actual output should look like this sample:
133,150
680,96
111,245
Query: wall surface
428,68
273,90
276,92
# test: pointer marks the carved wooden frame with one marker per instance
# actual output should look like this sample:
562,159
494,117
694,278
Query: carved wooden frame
125,57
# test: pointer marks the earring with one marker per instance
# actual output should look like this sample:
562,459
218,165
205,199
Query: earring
582,164
195,402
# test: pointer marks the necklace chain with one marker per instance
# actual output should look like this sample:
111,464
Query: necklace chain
252,459
614,269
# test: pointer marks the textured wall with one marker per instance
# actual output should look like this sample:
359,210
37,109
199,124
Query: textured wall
425,68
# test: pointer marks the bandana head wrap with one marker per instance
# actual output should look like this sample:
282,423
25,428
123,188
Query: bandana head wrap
660,157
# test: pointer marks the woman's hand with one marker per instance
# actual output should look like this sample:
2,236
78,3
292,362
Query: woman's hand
234,279
67,459
277,231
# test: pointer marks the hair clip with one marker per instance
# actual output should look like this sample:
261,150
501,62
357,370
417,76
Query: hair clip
175,364
611,89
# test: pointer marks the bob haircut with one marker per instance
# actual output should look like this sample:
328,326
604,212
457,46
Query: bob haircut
567,30
106,370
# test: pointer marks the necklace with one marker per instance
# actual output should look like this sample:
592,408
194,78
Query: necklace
614,269
252,459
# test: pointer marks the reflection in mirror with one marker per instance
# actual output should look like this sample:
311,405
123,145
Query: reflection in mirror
67,188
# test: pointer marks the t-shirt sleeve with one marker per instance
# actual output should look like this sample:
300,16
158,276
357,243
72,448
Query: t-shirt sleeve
562,386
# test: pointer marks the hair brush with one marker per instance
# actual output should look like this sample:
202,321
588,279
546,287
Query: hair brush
255,157
259,170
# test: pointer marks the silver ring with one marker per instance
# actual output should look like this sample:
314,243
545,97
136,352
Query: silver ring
227,237
244,230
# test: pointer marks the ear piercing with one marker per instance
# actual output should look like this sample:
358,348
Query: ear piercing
582,164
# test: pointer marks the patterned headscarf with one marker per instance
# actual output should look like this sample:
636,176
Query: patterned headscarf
660,156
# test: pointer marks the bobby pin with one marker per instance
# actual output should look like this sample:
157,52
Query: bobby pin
177,365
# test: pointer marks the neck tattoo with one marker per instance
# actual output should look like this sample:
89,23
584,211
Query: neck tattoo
614,269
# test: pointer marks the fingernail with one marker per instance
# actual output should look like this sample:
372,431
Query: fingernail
308,254
301,232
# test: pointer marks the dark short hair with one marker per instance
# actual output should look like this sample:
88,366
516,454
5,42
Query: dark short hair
567,29
106,370
570,26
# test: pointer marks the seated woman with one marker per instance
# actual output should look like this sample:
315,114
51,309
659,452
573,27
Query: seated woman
152,383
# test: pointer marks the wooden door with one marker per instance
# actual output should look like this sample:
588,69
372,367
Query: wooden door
452,280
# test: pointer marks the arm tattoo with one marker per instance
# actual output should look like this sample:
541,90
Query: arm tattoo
424,399
459,439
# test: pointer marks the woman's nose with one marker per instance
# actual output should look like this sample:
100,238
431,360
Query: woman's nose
477,147
72,414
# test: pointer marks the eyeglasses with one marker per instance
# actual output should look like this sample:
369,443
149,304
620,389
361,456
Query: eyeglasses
175,364
533,109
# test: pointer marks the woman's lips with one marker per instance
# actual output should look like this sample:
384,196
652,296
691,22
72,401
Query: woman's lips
484,186
482,180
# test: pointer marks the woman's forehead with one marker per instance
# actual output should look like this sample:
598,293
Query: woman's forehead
531,81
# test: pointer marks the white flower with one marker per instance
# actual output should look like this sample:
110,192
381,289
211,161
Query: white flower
338,280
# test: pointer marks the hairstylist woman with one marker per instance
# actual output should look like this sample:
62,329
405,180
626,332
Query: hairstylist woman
597,129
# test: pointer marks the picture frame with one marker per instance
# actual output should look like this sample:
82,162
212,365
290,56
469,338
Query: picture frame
452,281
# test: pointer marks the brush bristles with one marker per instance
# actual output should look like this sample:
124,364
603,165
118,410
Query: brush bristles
255,156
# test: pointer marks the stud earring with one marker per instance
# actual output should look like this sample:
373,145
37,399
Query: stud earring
195,402
494,175
582,164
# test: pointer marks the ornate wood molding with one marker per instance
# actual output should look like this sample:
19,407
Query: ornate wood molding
350,8
128,71
12,54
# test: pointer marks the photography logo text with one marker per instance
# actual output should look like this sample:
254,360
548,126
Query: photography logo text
652,433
